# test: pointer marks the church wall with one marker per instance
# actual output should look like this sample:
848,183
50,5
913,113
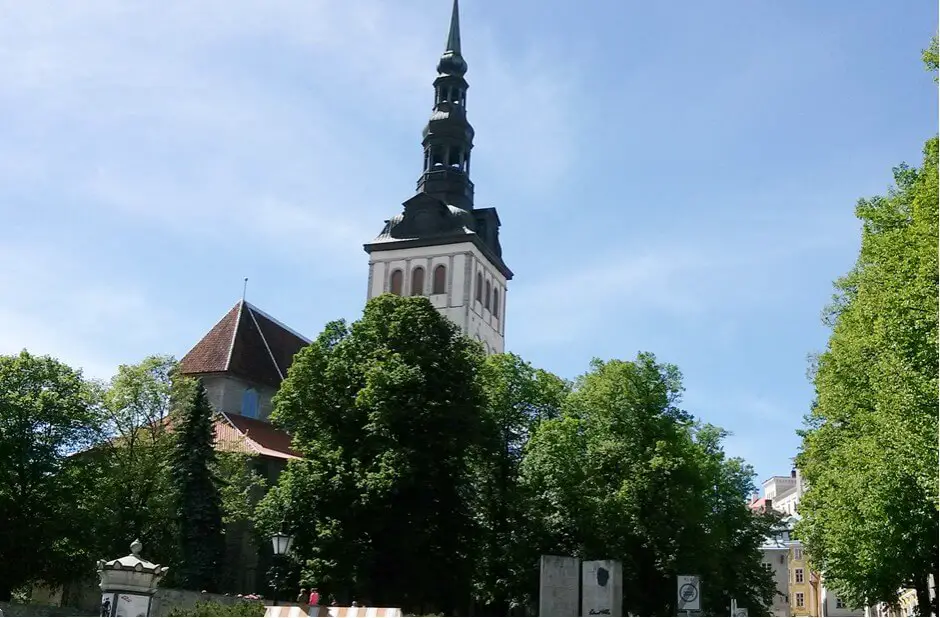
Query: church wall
226,393
459,304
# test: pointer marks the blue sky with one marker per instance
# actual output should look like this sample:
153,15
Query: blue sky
677,178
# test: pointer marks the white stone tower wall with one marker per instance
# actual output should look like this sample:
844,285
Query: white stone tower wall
458,303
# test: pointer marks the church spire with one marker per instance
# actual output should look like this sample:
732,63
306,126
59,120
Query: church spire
448,136
453,37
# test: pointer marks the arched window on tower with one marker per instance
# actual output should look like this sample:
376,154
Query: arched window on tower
417,281
440,280
495,302
396,281
486,296
479,296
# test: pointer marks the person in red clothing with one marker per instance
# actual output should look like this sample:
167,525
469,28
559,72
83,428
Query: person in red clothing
314,597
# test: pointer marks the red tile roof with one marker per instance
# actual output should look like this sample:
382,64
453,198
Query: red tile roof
760,504
247,435
247,343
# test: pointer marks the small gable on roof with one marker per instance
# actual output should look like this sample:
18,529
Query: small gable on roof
248,344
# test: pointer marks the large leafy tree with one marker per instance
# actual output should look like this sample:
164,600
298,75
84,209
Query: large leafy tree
47,413
196,488
869,452
518,398
387,414
624,473
135,497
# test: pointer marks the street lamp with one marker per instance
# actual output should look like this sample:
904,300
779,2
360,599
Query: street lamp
281,543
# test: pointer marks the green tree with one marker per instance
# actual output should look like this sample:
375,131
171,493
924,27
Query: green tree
518,398
196,488
387,414
47,413
135,497
869,452
931,59
624,473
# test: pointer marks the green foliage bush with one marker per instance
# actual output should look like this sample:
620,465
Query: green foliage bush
214,608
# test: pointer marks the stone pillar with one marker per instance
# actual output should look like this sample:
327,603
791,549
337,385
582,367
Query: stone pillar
601,588
558,586
128,584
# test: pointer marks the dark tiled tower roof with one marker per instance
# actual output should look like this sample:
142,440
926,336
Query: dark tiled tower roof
248,344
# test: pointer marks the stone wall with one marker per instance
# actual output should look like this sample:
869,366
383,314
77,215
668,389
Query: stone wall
85,600
14,609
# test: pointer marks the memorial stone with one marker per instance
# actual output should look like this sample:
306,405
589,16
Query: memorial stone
601,588
558,586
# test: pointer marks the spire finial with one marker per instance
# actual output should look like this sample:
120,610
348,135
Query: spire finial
452,62
244,289
453,37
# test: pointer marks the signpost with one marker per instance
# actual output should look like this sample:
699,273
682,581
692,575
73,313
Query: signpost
688,594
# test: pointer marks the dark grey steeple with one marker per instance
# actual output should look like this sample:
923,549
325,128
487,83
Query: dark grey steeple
448,136
442,211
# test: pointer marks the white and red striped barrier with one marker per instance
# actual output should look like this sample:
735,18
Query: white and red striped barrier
327,611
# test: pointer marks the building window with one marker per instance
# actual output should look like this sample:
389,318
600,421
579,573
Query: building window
799,599
797,553
250,403
798,575
479,287
495,302
839,603
417,281
486,296
783,559
440,280
396,282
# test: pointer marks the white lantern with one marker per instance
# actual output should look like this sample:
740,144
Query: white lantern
282,543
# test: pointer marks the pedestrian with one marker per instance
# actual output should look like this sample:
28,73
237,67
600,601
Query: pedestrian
302,597
314,597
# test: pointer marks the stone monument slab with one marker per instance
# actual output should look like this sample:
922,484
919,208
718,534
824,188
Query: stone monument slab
601,588
558,586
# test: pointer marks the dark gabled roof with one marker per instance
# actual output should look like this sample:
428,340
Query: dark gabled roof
249,344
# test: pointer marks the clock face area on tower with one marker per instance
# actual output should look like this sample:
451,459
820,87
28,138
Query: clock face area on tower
440,245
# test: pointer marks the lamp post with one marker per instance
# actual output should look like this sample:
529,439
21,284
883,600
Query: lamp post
282,544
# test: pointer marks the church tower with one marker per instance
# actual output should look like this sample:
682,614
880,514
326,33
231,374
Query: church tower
440,245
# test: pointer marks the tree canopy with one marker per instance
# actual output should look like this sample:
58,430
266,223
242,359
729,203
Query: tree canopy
386,413
193,468
47,413
869,453
433,478
624,473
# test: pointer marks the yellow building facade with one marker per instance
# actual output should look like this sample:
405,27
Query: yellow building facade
804,584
